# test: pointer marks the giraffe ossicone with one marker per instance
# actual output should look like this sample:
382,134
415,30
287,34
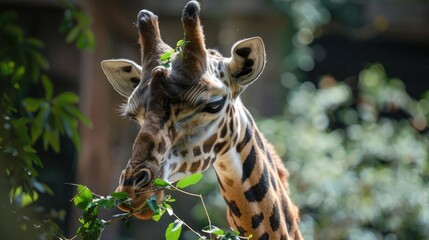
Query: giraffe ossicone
191,117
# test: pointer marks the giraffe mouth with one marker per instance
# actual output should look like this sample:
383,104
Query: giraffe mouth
139,207
142,212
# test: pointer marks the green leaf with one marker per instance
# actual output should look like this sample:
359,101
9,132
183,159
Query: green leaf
156,217
120,195
38,59
73,33
35,159
168,208
52,138
104,202
23,198
67,97
213,230
35,42
39,121
180,43
153,204
29,149
86,40
70,127
47,85
83,197
34,72
166,56
73,111
32,104
160,183
190,180
19,73
174,230
27,199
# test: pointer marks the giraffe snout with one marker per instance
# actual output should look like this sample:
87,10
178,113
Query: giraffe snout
139,188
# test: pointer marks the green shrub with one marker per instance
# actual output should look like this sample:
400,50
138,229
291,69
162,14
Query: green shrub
357,156
30,115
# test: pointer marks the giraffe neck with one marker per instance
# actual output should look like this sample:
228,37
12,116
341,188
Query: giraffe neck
252,180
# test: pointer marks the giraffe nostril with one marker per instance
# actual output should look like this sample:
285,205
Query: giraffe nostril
142,178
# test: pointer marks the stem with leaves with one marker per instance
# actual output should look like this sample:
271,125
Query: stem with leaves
92,226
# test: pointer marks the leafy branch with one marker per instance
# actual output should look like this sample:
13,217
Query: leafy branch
33,114
92,226
89,202
30,113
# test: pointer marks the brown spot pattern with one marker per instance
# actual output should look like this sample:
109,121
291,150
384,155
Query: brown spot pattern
197,151
195,166
229,181
183,167
184,153
223,131
218,147
222,166
208,144
206,163
161,146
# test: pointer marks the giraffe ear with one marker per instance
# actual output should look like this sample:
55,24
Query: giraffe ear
247,61
124,75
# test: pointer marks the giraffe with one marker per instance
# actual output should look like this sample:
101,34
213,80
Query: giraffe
191,117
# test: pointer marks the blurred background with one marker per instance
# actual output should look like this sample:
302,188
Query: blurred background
343,99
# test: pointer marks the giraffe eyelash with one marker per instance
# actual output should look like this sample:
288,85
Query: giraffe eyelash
126,113
131,117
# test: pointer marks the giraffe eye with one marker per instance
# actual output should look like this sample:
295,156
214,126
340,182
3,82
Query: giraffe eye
215,106
131,117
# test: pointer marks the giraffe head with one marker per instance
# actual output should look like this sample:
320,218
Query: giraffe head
181,109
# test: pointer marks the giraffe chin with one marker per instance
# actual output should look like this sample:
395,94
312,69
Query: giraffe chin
144,213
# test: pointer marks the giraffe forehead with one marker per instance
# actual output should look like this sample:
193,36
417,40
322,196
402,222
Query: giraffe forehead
211,86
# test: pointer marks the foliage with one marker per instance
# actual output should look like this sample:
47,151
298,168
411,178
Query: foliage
168,57
77,26
356,153
92,226
357,156
30,115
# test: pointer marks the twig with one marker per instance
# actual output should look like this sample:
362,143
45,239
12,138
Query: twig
202,202
184,223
